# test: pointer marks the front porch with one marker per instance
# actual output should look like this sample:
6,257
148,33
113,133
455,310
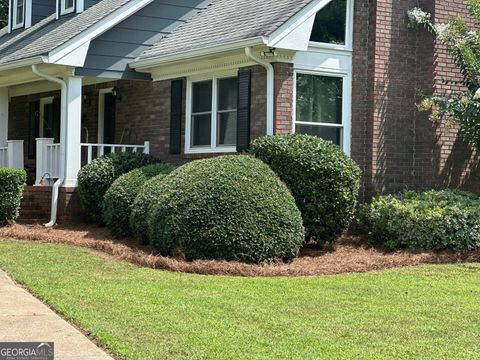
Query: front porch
52,131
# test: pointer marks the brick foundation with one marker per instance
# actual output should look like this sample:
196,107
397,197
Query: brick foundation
36,206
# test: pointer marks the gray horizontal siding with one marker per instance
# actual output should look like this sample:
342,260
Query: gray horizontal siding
42,9
110,53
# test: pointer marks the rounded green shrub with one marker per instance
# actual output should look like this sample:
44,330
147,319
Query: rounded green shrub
118,201
230,207
143,205
324,181
432,220
96,178
12,182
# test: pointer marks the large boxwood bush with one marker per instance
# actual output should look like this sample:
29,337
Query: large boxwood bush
118,201
96,178
323,179
230,207
12,182
432,220
143,205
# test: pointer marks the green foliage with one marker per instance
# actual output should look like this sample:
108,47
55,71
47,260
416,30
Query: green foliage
323,180
463,44
12,182
95,179
3,13
143,206
433,220
230,207
118,201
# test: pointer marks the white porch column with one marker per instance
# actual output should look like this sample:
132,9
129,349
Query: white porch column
15,154
73,130
3,117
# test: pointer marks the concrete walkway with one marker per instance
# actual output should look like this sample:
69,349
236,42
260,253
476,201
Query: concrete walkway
25,318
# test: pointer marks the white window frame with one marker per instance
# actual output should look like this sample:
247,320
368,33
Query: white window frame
348,32
16,25
346,105
189,149
64,10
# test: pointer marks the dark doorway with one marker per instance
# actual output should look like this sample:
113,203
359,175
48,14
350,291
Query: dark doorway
109,116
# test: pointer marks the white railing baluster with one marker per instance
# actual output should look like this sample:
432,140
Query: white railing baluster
100,149
89,154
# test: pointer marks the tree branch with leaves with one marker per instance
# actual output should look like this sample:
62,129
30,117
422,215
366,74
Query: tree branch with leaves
463,44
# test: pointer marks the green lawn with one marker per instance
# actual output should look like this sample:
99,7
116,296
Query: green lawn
428,312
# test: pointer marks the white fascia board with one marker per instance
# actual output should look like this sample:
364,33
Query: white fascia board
160,60
24,62
298,28
97,29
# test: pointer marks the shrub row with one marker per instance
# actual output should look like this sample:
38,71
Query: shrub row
432,220
12,182
118,201
95,179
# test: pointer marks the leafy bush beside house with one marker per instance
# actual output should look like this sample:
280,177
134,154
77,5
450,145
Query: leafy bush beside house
230,207
432,220
143,205
95,179
118,201
324,181
12,182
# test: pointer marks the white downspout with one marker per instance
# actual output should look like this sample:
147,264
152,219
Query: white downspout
270,87
63,132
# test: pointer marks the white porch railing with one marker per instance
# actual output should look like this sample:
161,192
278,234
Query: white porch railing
48,156
12,155
96,150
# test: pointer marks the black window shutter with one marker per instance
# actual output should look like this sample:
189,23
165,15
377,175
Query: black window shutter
243,118
176,107
33,128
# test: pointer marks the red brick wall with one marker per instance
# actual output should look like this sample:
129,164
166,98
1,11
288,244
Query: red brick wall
283,98
397,146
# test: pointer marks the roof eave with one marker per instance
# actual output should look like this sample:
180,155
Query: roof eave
153,61
24,62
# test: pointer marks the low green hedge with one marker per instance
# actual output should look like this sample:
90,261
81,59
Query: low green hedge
324,181
12,182
229,207
432,220
95,179
118,201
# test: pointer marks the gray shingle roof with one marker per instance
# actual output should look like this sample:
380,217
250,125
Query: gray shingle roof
49,33
226,21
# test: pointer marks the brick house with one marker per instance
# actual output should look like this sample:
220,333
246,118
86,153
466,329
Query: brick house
187,79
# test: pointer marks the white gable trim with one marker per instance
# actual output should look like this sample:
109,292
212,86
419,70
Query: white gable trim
96,30
295,33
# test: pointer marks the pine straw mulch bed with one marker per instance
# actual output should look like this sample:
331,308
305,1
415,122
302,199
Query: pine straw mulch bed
351,254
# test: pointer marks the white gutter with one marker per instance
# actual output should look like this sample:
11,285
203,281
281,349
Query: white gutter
63,132
145,63
270,87
21,63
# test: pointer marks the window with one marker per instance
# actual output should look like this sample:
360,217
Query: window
213,115
319,106
67,6
18,14
331,24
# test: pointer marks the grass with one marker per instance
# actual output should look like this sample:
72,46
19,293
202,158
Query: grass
427,312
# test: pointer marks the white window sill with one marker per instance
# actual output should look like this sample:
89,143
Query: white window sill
211,151
67,11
